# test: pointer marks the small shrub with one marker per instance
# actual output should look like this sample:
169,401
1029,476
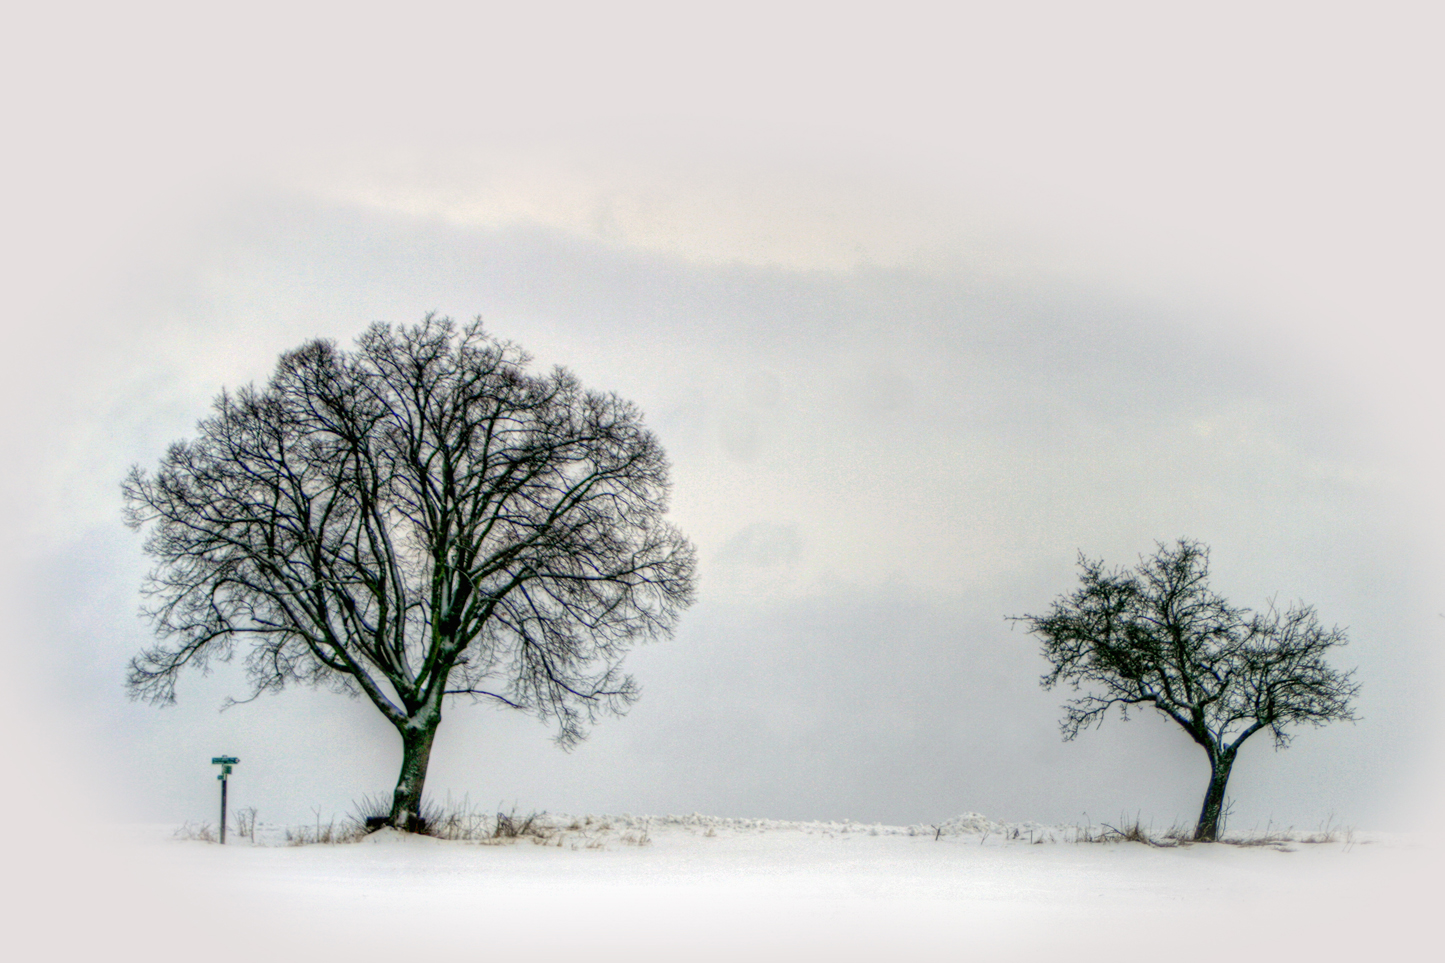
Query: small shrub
509,826
1130,833
1328,833
201,832
246,823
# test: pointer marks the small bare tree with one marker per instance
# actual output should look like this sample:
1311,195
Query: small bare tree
417,519
1158,636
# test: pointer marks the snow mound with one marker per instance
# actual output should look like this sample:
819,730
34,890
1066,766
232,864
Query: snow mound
974,824
391,836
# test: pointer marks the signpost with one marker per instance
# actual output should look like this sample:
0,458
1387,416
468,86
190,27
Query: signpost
225,762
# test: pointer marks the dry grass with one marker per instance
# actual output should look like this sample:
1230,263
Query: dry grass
459,821
1286,839
636,837
329,832
453,821
1283,840
1330,833
1279,841
456,821
1133,831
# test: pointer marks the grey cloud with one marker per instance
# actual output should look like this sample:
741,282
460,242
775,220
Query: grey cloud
761,545
877,465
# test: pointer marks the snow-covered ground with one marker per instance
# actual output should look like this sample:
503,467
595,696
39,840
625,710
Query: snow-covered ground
706,888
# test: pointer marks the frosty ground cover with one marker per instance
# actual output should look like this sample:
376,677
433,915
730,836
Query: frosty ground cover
709,888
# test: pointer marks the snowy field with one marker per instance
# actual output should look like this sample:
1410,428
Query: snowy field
704,888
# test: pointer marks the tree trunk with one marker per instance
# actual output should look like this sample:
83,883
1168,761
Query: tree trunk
1208,828
416,742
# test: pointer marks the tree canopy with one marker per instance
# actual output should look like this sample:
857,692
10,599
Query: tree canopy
1158,636
415,519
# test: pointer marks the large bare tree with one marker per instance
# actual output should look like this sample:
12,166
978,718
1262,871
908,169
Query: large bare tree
1158,636
415,519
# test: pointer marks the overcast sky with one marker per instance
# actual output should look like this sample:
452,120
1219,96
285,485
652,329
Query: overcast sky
920,310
